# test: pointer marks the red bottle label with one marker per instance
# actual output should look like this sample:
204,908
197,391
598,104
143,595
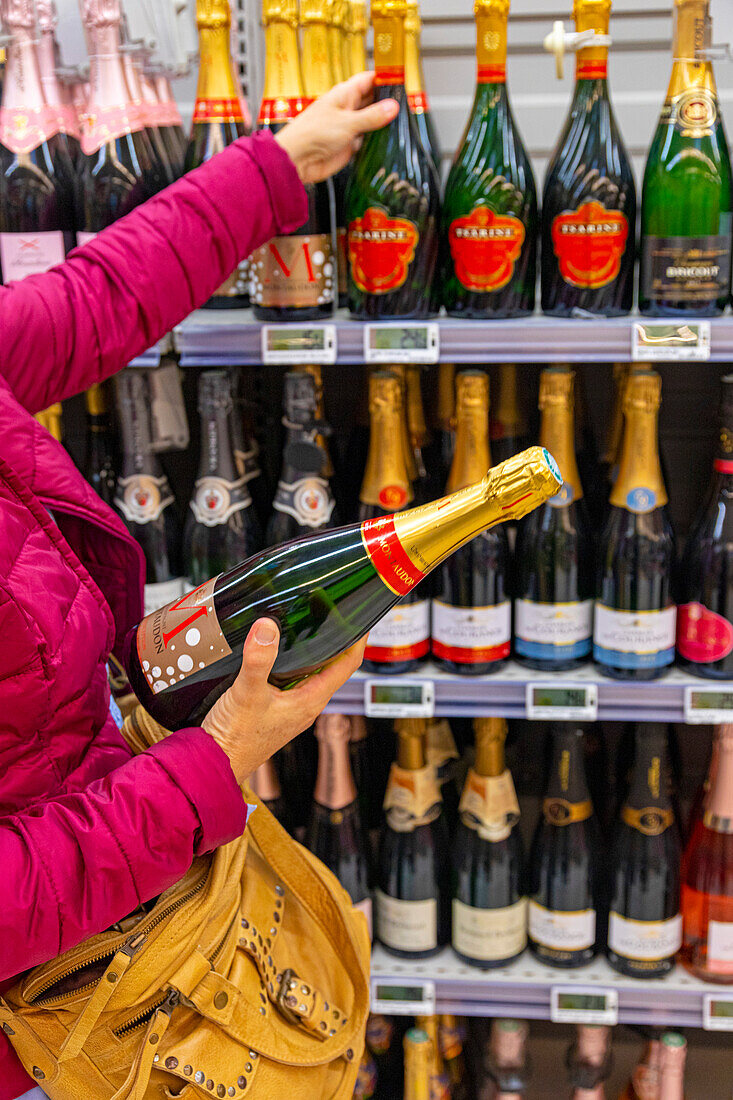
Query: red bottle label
24,129
388,556
591,70
485,247
218,110
381,250
702,635
491,74
280,110
418,102
589,243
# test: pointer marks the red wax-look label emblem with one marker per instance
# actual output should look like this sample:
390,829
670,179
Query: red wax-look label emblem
485,247
388,556
418,103
589,243
393,496
280,110
702,635
218,110
381,250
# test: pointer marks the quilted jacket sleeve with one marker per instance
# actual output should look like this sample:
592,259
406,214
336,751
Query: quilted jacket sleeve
86,319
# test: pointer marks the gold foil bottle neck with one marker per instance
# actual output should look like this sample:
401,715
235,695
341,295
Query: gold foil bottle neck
95,400
416,425
358,21
491,7
412,744
387,482
472,456
213,14
446,410
385,391
280,11
336,13
314,11
472,390
383,9
490,737
413,22
643,392
333,727
418,1059
557,387
592,15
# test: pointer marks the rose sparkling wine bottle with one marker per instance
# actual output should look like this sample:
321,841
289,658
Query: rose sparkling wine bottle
417,98
589,199
265,784
54,93
644,1082
707,875
489,218
687,201
589,1056
393,196
130,65
506,1062
159,116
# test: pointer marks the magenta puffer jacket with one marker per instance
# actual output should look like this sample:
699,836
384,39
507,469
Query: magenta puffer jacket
86,831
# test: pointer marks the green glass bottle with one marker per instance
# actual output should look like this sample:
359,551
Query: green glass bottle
393,196
489,219
687,200
417,96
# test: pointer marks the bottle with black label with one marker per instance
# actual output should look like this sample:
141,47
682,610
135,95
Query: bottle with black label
100,463
565,862
687,201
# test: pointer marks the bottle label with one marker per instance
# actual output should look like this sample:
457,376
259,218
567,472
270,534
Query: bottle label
693,112
237,284
646,940
308,500
407,925
215,500
690,269
651,820
589,244
489,805
412,798
485,247
24,254
218,110
23,129
402,635
108,124
141,498
181,638
157,595
293,272
381,250
471,635
559,631
395,567
634,639
558,811
562,931
720,946
282,109
489,935
418,103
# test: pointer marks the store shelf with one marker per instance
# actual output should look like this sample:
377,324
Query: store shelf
524,989
152,357
233,337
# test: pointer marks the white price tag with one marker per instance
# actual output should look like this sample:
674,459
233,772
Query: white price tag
399,698
705,705
717,1012
283,344
562,702
583,1005
414,998
407,342
669,340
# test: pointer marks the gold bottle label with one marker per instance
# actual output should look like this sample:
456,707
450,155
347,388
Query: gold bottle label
558,431
293,272
491,40
559,811
639,487
651,820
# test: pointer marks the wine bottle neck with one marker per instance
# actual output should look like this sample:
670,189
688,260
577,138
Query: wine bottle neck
719,801
558,436
672,1072
411,749
414,79
446,396
591,63
357,39
567,780
107,84
216,79
640,482
335,786
415,411
611,454
389,50
507,415
490,738
691,38
649,783
22,85
336,51
46,55
472,457
386,478
137,452
318,77
491,39
217,451
282,98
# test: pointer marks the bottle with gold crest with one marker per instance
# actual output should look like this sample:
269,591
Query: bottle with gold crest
417,1065
489,887
472,613
553,608
417,97
413,893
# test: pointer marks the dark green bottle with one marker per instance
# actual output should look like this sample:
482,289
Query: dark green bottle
489,219
686,200
417,97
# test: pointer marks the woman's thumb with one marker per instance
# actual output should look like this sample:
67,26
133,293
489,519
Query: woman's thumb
259,654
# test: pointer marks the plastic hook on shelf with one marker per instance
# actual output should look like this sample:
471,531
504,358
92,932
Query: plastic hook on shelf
559,42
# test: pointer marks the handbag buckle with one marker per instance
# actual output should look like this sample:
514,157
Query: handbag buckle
287,999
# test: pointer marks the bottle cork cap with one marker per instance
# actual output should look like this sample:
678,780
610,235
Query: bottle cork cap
101,13
280,11
213,13
490,729
314,11
491,7
215,391
643,391
47,15
557,386
472,388
385,8
413,22
385,389
357,16
333,727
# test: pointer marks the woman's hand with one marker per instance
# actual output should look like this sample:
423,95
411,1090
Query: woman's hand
323,139
253,719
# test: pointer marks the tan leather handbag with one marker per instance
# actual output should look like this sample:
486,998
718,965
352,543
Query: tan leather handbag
249,977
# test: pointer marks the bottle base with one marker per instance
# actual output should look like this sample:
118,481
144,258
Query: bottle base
307,313
458,668
684,310
539,665
399,954
701,972
704,672
562,960
391,668
638,674
639,970
484,964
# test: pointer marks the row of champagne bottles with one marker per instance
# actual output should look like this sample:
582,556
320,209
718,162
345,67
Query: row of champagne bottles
447,1058
449,865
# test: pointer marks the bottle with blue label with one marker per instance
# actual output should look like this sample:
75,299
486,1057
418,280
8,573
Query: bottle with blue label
635,613
553,608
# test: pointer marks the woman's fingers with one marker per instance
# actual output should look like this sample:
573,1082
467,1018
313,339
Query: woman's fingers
355,92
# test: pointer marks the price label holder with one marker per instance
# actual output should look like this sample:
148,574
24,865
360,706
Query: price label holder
562,702
399,698
583,1005
705,705
402,343
717,1012
670,340
415,999
284,344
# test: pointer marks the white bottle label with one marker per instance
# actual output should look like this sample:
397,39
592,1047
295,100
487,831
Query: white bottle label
720,946
158,595
634,639
407,925
24,254
562,931
489,935
472,635
215,500
308,500
402,635
560,630
646,940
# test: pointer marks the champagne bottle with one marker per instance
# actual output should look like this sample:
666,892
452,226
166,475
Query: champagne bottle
645,925
160,118
672,1066
413,891
217,121
644,1083
472,613
53,92
589,200
387,1051
356,28
303,502
336,10
410,458
417,432
451,1036
393,197
99,469
335,833
687,203
222,528
417,1065
635,615
589,1057
266,785
144,500
439,1081
36,173
564,862
292,277
417,98
489,222
325,591
489,888
506,1061
707,876
171,114
508,430
553,609
705,614
161,164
